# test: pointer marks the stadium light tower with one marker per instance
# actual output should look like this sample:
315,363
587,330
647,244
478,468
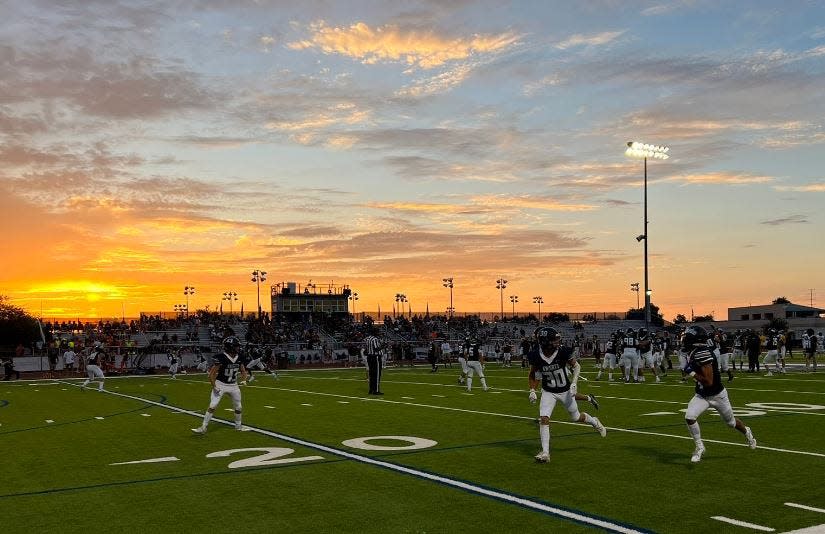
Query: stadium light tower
181,309
259,276
635,287
513,301
645,151
354,298
448,282
538,300
230,296
188,290
501,285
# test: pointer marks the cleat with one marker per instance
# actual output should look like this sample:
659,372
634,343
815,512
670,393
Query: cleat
238,427
750,438
199,430
697,454
592,400
542,457
769,373
599,427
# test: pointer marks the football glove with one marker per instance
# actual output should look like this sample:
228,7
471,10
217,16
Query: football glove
533,397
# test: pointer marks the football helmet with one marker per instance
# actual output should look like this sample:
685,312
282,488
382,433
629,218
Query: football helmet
694,336
810,332
547,335
642,333
231,345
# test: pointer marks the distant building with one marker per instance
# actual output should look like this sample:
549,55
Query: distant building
291,297
799,318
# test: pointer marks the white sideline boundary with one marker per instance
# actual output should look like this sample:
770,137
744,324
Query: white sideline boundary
471,488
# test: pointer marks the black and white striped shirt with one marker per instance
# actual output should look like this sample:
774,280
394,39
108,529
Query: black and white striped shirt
372,345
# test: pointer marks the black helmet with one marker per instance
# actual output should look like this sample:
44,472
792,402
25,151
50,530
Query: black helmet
643,332
231,344
694,335
810,331
546,335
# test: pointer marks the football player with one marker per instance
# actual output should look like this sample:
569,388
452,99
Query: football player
174,362
259,358
772,357
630,355
554,366
810,350
645,345
462,360
609,360
475,360
93,363
223,375
709,391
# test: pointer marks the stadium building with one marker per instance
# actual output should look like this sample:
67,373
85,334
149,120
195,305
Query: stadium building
291,297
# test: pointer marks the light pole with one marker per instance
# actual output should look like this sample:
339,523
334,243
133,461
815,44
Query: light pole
513,301
188,290
501,285
230,296
259,276
644,151
353,297
635,287
448,282
538,300
401,298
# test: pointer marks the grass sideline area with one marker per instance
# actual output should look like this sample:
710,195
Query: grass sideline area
439,459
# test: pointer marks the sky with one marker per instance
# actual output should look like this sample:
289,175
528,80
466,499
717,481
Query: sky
146,146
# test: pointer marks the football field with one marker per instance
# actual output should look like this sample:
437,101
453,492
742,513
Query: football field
318,454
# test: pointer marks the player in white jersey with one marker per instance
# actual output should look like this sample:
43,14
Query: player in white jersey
174,362
68,360
630,355
93,363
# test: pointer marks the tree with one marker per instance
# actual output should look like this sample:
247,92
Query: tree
556,317
703,318
680,318
781,300
16,325
777,323
638,314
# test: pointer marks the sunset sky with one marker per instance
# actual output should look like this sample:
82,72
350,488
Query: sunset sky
150,145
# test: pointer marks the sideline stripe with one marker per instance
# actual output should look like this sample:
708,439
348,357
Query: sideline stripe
578,517
150,461
742,523
802,506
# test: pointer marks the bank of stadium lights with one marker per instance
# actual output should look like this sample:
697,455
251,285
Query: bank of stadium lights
635,287
230,296
501,285
188,290
514,301
259,276
354,298
638,150
181,309
643,150
538,300
448,282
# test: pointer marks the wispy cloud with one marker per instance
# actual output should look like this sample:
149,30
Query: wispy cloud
723,178
791,219
594,39
808,188
422,49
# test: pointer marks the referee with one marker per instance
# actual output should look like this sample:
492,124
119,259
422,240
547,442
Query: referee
372,350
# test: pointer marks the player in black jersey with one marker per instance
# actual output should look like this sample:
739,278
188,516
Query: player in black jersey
259,358
174,362
224,373
710,392
555,366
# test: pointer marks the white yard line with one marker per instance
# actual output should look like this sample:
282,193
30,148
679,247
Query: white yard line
803,507
743,524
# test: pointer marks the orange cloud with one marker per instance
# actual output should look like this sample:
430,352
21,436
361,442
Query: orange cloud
728,178
425,50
